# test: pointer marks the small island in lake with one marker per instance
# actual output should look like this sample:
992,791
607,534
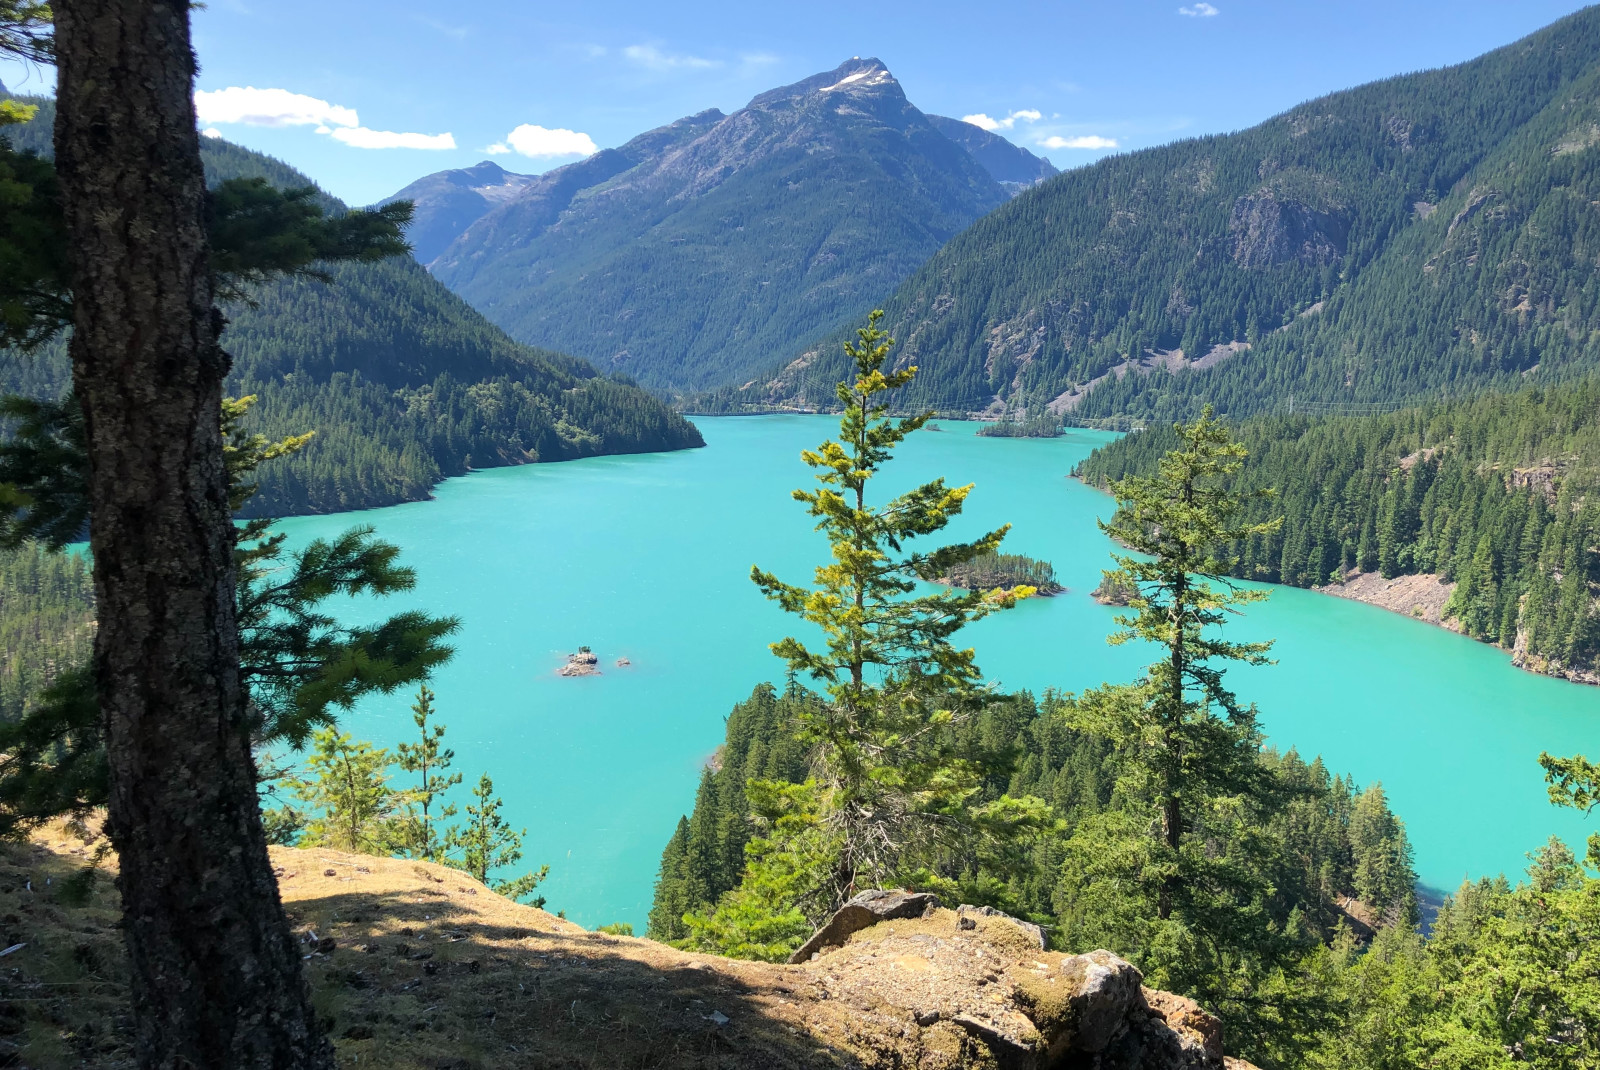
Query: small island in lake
1005,571
1046,426
1114,590
584,663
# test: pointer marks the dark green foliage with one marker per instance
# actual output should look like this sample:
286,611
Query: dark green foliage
404,383
988,571
297,661
46,621
1045,426
1494,493
705,856
1509,977
300,662
33,249
259,233
44,472
1440,224
1305,841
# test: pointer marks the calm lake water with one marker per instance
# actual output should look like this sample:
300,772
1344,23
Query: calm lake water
648,558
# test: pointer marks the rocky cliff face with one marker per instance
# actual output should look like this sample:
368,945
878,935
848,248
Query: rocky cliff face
417,967
1268,231
689,256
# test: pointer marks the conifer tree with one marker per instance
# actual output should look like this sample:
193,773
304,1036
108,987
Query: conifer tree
485,843
1574,782
347,787
892,783
1184,737
429,760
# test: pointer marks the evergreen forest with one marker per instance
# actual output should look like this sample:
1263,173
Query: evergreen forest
1152,816
1426,235
1494,494
403,383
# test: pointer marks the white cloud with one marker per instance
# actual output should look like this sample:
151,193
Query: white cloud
1089,142
1199,11
656,60
1027,115
279,107
360,137
530,140
211,131
269,107
497,150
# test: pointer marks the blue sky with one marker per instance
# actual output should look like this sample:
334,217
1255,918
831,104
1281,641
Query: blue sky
373,95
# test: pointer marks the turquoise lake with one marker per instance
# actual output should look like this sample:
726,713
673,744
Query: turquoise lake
648,558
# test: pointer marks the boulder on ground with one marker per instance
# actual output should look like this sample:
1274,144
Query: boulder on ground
864,910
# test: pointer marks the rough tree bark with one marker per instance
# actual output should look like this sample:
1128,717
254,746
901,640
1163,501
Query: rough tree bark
216,976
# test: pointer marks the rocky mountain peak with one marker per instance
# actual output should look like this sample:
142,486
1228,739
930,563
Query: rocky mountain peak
855,76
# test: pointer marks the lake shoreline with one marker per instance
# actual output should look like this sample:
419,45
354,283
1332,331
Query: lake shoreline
1422,596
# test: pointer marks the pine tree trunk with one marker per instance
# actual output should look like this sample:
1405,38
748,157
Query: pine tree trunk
216,976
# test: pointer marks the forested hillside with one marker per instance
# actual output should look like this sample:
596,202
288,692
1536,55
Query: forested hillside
1495,494
402,381
1432,232
692,255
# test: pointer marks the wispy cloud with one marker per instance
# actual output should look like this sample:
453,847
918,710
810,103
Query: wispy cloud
1199,11
211,131
653,58
269,107
1091,141
536,141
459,33
360,137
249,106
1027,115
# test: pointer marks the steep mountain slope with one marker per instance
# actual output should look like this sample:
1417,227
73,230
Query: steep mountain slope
698,252
448,202
1013,166
402,381
1430,232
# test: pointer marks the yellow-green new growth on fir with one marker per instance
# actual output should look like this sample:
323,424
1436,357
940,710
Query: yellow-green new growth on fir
892,784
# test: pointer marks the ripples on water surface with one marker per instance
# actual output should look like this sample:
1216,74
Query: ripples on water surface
648,558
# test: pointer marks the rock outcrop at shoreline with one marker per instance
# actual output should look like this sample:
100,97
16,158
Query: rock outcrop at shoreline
419,967
1421,596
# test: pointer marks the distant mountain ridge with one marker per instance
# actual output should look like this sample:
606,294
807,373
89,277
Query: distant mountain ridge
696,253
403,382
1428,233
448,202
1013,166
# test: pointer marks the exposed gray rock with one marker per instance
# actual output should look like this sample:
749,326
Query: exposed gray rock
865,911
1107,987
1268,232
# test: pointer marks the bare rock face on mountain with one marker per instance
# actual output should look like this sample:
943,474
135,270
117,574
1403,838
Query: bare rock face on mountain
448,202
690,255
1268,231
